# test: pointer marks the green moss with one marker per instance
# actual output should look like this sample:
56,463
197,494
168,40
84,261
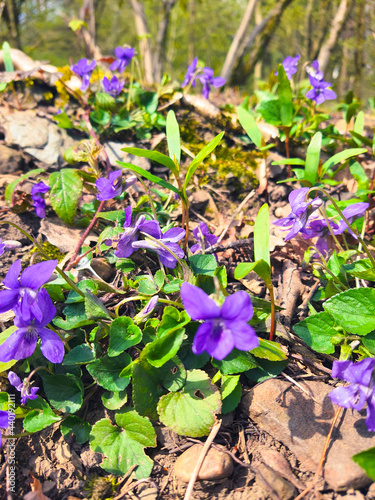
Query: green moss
51,250
224,160
100,488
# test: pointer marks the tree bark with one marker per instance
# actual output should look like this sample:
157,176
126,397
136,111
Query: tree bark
161,38
309,29
234,49
143,33
336,26
10,15
87,14
260,37
191,29
359,45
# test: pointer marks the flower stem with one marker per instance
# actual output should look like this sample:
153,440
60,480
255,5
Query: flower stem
273,316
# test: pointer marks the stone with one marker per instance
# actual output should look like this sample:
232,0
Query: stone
216,465
11,160
283,488
302,424
115,154
39,137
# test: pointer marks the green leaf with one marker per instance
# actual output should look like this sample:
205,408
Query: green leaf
123,334
64,392
149,383
354,310
317,331
366,460
123,446
173,137
362,269
289,161
7,56
231,393
249,124
260,267
312,158
342,156
66,189
154,156
113,215
12,186
200,157
75,317
270,111
75,425
40,416
265,370
360,139
203,264
284,92
191,411
74,297
262,236
114,400
269,350
106,372
63,121
94,307
105,101
161,350
172,320
150,177
236,362
4,367
79,355
369,342
77,24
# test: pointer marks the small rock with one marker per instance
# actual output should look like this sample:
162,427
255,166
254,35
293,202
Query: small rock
11,160
300,423
62,453
48,486
216,465
115,154
353,495
105,270
147,493
283,488
371,492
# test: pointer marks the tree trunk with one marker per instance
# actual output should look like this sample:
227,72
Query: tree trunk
144,40
87,14
309,29
359,45
343,82
336,26
261,34
161,38
10,14
233,52
191,29
258,66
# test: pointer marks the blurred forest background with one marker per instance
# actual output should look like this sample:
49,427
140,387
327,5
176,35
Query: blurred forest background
242,40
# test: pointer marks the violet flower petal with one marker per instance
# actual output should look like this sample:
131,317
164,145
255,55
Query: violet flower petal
21,344
38,274
52,346
11,279
237,307
244,336
201,336
198,304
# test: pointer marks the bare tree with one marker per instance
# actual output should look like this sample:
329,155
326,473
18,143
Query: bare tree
259,39
309,28
87,14
234,49
162,37
10,13
143,33
336,26
359,45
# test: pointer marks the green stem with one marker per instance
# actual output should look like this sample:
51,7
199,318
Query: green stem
15,436
323,212
153,209
130,89
273,315
40,248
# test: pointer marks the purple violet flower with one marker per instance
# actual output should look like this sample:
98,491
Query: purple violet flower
130,235
351,213
2,247
290,66
23,295
27,392
170,240
5,418
111,187
84,69
7,245
361,389
113,87
38,201
224,328
207,79
22,343
320,91
203,237
191,74
301,210
124,56
314,71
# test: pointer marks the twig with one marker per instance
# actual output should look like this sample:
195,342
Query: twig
290,379
310,362
207,444
234,244
322,457
237,211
